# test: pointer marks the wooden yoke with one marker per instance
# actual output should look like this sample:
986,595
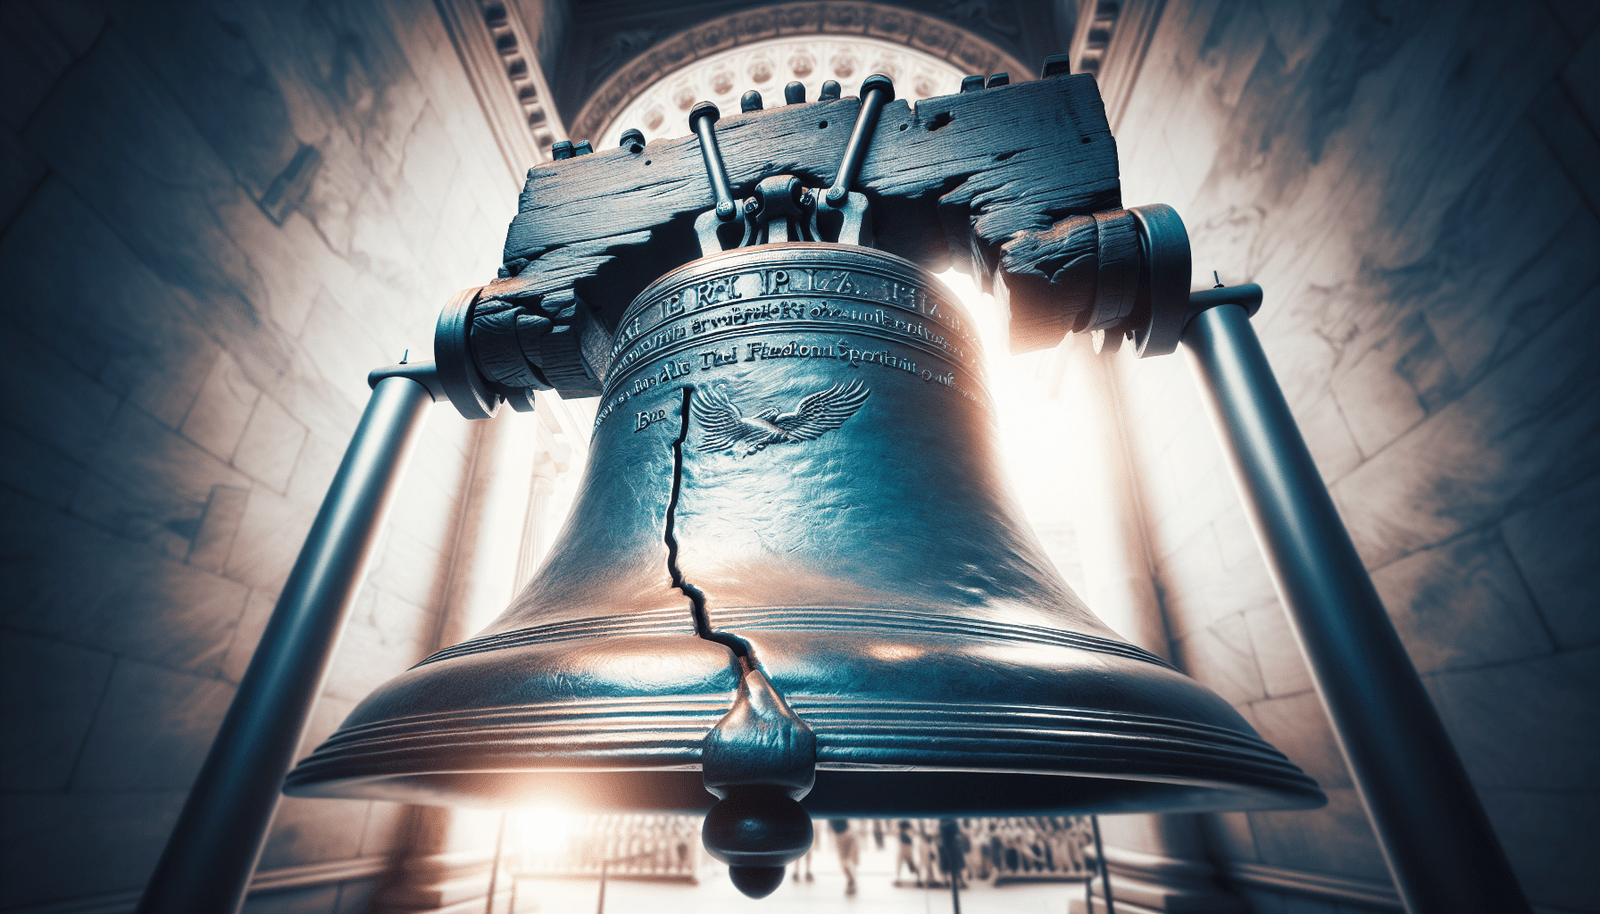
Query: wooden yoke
1016,185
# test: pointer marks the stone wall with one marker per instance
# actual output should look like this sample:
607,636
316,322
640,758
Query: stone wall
1416,186
216,218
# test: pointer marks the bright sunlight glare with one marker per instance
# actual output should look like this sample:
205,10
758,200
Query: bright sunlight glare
1037,431
543,829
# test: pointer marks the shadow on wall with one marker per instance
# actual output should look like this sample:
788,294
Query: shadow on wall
1413,185
217,218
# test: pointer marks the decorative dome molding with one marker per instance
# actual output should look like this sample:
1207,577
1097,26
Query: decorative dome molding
911,35
493,43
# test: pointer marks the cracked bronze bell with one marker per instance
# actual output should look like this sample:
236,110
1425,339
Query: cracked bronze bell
793,572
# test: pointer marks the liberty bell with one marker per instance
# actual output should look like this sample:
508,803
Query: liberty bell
794,583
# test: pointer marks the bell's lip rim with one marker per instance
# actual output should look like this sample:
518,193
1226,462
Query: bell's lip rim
518,744
1094,734
1285,789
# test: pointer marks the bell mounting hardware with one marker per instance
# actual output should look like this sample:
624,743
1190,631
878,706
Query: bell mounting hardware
1014,183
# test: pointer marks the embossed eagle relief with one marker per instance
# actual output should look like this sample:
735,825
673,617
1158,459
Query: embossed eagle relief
727,427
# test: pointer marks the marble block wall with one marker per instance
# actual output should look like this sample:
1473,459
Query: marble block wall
215,218
1416,186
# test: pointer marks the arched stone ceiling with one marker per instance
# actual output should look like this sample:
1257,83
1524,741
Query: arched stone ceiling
765,48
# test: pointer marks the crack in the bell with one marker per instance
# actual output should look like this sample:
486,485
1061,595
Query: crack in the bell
697,598
760,742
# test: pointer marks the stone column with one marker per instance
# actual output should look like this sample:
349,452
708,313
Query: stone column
450,859
1157,862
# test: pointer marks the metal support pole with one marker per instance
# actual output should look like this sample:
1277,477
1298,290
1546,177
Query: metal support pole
211,856
1105,869
1440,847
494,871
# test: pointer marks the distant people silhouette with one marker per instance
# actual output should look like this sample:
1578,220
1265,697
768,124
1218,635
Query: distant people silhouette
849,847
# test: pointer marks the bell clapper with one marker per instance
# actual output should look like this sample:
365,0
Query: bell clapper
758,830
760,759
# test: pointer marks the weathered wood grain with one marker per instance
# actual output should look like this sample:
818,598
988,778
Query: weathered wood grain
948,180
1064,257
1083,273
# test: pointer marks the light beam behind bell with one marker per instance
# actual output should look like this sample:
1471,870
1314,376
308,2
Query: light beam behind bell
543,829
793,545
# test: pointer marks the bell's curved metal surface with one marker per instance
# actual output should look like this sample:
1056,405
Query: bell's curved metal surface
794,501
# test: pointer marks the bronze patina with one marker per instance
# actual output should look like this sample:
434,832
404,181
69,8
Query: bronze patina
794,568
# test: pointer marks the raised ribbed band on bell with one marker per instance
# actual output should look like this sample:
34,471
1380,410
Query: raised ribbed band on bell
664,731
911,623
658,622
663,734
824,618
